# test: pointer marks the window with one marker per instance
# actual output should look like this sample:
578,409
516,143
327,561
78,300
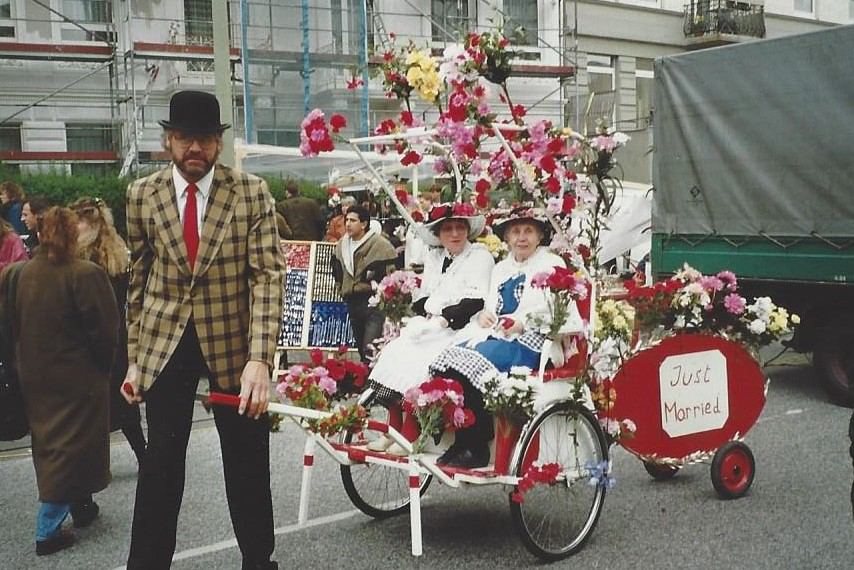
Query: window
601,84
7,24
450,19
94,15
278,137
10,137
89,137
198,19
803,6
522,14
354,24
644,83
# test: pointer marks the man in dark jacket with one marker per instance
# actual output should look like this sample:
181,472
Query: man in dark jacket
302,215
361,257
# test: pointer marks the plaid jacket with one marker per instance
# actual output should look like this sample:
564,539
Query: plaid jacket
234,293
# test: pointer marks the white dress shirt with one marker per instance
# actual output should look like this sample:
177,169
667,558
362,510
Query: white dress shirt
204,190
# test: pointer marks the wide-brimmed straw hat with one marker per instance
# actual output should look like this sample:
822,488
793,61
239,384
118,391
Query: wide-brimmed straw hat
443,212
195,113
525,213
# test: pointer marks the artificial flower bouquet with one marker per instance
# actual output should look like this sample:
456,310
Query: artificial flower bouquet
497,248
438,406
344,418
614,319
562,288
393,295
691,301
511,395
315,386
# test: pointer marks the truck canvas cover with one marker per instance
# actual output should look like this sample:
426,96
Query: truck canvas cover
757,138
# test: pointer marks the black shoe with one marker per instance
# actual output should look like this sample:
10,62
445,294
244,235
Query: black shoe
60,541
269,565
84,514
449,455
470,458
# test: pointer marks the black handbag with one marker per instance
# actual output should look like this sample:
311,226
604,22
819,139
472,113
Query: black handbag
13,418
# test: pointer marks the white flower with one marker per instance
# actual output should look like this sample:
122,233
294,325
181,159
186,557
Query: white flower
757,326
523,371
621,138
679,323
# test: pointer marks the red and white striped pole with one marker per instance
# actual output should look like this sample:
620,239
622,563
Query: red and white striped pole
305,487
415,508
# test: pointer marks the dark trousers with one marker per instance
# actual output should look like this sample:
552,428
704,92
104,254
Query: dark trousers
245,448
367,323
851,451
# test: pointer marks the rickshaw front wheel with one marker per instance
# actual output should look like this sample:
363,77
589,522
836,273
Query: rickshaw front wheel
555,519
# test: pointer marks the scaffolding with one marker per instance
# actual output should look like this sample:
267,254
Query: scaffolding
285,57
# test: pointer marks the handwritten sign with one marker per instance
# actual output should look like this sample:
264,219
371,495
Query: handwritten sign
694,393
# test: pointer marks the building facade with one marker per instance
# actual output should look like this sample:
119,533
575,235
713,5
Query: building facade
85,81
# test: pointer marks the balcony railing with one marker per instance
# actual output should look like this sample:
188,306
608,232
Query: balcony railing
724,17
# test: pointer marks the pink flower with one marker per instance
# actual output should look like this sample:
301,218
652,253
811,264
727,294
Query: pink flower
734,303
728,277
710,283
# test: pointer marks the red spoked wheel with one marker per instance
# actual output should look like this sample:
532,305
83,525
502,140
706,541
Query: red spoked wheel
733,468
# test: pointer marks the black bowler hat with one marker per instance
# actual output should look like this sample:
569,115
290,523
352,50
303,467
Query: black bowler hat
194,112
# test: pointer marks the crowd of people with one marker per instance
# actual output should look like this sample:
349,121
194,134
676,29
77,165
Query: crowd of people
196,292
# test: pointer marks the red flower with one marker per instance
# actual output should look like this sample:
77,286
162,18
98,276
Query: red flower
438,212
502,43
410,158
385,128
548,164
561,279
402,195
337,122
332,190
555,145
406,118
584,251
482,200
482,186
519,111
417,216
463,209
507,323
336,369
354,83
568,203
316,356
388,56
474,40
552,185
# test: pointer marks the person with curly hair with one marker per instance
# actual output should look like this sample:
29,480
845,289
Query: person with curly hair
66,329
11,202
99,243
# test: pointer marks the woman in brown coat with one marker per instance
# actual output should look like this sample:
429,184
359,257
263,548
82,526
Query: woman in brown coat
67,328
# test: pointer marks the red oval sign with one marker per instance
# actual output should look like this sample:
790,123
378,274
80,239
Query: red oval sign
689,393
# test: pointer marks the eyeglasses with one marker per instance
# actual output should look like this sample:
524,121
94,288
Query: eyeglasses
185,139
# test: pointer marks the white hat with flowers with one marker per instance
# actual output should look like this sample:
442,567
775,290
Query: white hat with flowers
503,219
456,211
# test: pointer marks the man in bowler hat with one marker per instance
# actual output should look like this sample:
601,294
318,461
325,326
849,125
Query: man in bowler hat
205,300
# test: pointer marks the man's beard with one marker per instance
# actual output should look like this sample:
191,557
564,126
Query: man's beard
194,169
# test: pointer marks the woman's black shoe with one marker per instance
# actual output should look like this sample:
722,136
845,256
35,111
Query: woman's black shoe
84,514
450,454
60,541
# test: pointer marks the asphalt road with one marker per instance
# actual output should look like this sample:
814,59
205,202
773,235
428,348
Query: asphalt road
797,514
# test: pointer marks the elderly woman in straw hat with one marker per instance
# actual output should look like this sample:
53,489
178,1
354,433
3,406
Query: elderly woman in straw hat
497,338
454,286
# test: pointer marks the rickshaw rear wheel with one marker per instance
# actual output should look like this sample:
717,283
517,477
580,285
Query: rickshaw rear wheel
554,520
377,490
733,469
661,471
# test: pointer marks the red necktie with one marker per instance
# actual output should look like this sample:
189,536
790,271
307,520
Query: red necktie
191,225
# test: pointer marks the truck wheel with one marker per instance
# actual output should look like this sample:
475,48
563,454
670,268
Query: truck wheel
835,363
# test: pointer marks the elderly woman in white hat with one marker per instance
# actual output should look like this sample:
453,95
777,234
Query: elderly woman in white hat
497,338
454,285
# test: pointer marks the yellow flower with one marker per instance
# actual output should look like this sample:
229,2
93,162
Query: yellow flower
620,323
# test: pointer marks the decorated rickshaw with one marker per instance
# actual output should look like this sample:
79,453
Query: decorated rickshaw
556,423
